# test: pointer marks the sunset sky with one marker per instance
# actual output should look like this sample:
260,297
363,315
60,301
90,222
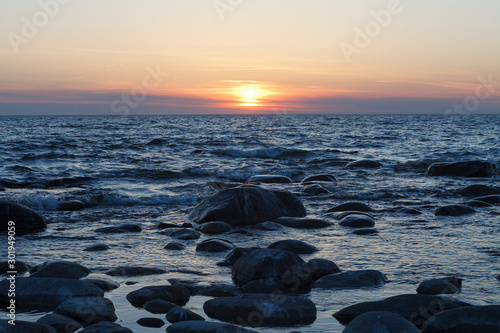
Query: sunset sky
249,56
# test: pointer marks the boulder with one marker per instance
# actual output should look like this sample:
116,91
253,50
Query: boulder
265,286
97,247
178,314
351,280
234,255
206,327
357,221
463,169
60,323
454,210
314,189
464,320
59,269
134,271
478,190
175,294
25,327
106,327
214,245
436,287
302,222
104,284
88,310
380,322
322,267
150,322
269,179
294,246
121,228
159,306
174,246
72,205
319,178
182,234
247,205
46,293
491,199
363,164
26,219
258,310
351,206
416,308
214,228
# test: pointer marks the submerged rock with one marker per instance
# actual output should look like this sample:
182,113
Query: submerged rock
97,247
380,322
178,314
351,280
121,228
134,271
357,221
478,190
302,222
437,286
320,178
454,210
214,245
363,164
294,246
351,206
175,294
215,228
26,219
88,310
59,269
182,234
365,231
206,327
477,203
247,205
464,320
269,179
314,189
59,322
491,199
463,169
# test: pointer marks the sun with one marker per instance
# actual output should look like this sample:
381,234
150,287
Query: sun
250,95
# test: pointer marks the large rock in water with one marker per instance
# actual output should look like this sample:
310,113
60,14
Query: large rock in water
88,310
26,219
258,310
351,280
175,294
380,322
454,210
478,190
25,327
59,269
206,327
482,319
247,205
463,169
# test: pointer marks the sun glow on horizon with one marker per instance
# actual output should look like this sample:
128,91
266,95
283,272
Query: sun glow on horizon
250,95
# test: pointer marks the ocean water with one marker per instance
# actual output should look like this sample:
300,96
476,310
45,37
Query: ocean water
151,169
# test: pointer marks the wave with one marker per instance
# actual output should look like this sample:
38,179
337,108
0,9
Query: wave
260,153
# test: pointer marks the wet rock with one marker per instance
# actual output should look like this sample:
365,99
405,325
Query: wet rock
294,246
351,280
159,306
380,322
182,234
262,310
180,314
88,310
106,327
269,179
265,286
165,225
268,226
357,221
174,246
59,269
477,203
26,219
134,271
322,267
97,247
270,263
319,178
175,294
436,287
464,320
234,255
365,231
491,199
410,211
215,228
247,205
121,228
416,308
314,189
104,284
206,327
193,286
151,322
351,206
24,327
341,215
219,290
454,210
302,222
463,169
19,267
72,205
478,191
214,245
59,322
363,164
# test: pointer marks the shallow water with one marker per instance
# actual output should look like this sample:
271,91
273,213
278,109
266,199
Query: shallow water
111,164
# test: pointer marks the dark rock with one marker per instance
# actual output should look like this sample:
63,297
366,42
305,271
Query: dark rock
88,310
121,228
235,254
322,267
380,322
59,322
454,210
482,319
159,306
72,205
269,263
193,286
219,290
410,211
97,247
351,206
416,308
351,280
25,327
477,203
26,219
104,284
357,221
19,267
363,164
180,314
262,310
365,231
302,222
175,294
268,226
478,191
206,327
341,215
457,282
214,245
134,271
151,322
491,199
265,286
106,327
463,169
214,228
247,205
174,246
269,179
319,178
164,225
59,269
187,225
314,189
157,142
182,234
436,287
294,246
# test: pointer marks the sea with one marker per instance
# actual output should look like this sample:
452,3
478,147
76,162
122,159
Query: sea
151,169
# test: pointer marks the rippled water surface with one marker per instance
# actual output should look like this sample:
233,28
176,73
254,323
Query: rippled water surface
151,169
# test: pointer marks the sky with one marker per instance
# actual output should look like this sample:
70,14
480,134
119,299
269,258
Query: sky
249,56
